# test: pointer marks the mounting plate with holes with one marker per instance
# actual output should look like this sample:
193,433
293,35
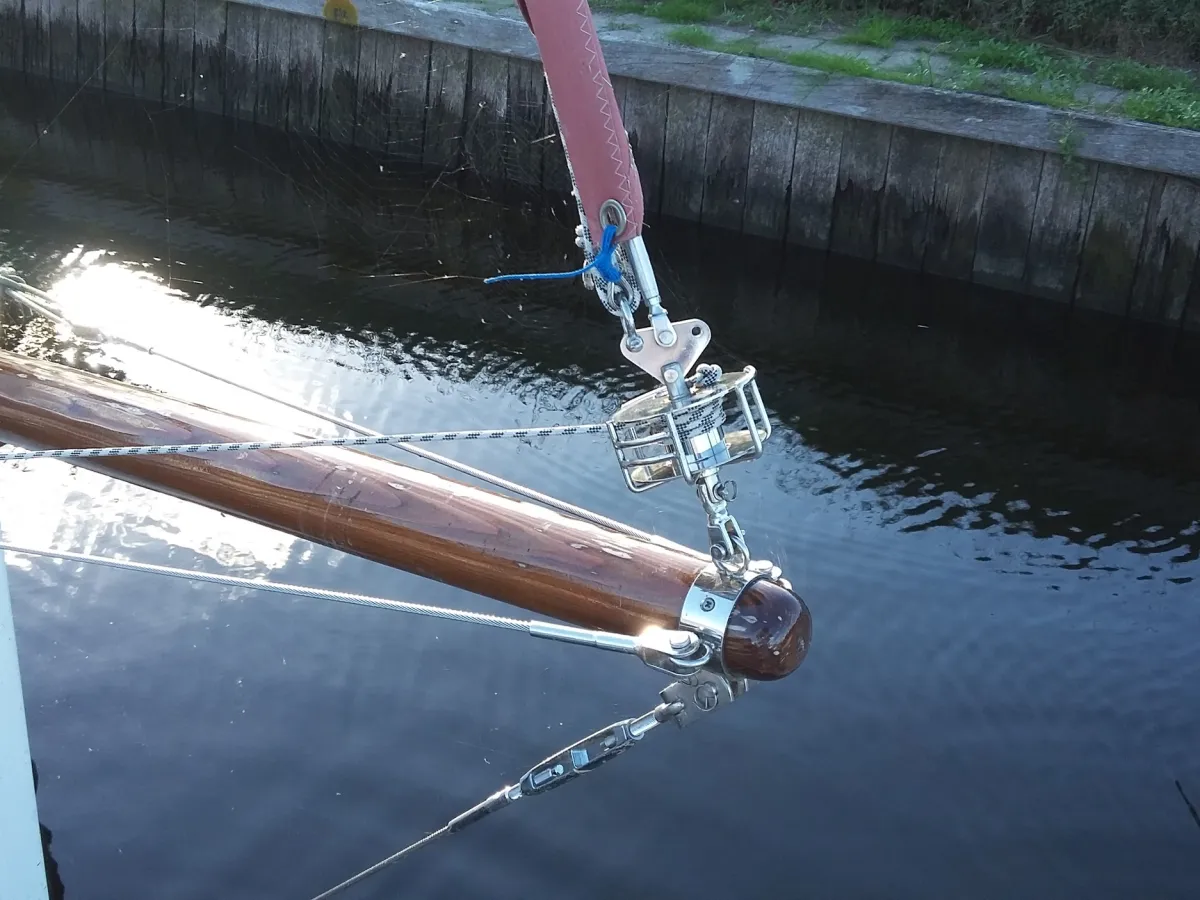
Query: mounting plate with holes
653,359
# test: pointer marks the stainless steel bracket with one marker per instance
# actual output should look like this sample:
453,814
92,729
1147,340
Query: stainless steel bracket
670,363
702,694
706,611
711,598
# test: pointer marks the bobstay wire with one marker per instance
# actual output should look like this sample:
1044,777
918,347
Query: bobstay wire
695,422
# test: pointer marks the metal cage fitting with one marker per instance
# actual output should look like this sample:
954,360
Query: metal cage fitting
659,440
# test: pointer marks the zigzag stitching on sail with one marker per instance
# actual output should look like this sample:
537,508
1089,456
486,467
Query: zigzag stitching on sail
590,44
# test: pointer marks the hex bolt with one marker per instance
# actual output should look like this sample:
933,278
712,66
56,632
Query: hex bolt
681,641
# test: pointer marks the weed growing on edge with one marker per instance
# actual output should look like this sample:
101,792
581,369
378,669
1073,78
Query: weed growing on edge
693,36
873,31
685,11
1060,95
1173,106
1127,75
1069,143
1025,72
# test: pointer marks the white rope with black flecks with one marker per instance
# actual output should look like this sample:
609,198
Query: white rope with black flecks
30,296
419,437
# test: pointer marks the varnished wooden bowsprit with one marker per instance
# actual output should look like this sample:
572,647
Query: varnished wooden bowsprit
516,552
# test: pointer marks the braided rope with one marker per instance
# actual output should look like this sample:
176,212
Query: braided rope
419,437
707,416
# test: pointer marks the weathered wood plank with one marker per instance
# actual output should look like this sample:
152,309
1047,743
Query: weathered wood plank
973,116
644,112
373,98
684,147
486,114
119,35
769,173
1191,314
274,58
526,123
89,63
1006,220
446,111
147,49
179,20
814,178
953,226
304,75
862,175
1059,220
912,174
208,56
63,16
1113,239
12,39
1167,265
392,86
240,63
339,73
36,23
726,161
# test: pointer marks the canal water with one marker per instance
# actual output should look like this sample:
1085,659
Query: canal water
991,505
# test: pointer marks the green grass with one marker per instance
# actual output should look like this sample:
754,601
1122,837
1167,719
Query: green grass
1023,71
918,28
1056,94
1128,75
881,30
834,63
993,54
693,36
1170,106
873,31
762,15
686,11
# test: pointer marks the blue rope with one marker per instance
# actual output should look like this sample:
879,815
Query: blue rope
603,264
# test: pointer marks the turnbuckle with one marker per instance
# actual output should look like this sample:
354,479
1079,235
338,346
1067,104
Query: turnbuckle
595,750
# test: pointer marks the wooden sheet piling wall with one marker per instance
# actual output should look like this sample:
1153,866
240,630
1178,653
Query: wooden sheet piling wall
1075,209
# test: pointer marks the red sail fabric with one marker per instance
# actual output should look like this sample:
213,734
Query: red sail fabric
588,117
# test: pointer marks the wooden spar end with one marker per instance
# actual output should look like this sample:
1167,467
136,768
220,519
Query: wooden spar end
769,632
513,551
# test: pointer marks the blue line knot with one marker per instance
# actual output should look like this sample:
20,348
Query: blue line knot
603,263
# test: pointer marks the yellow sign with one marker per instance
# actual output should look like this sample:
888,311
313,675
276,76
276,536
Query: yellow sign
341,11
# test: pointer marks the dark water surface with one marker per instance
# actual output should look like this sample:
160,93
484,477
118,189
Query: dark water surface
991,505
